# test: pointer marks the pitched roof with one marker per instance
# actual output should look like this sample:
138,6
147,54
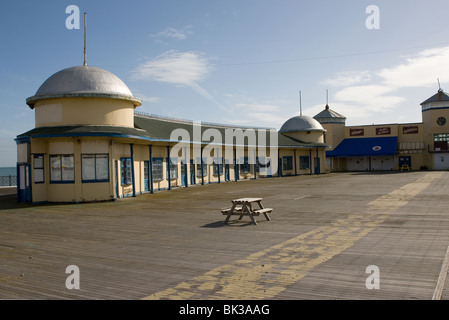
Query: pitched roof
439,96
329,115
85,130
158,129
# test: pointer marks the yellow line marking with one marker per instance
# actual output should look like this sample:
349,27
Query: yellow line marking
265,274
438,292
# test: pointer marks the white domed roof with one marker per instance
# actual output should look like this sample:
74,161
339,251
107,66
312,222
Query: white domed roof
300,124
83,81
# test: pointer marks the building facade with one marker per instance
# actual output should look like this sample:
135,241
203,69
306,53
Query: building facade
387,147
89,144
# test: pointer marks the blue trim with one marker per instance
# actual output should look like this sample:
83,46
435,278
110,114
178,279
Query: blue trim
94,181
168,168
151,168
432,108
202,167
116,179
132,169
22,140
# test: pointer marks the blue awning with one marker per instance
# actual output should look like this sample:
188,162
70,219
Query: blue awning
365,147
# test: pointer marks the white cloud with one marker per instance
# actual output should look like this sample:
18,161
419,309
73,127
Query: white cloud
248,111
377,95
347,78
146,98
178,34
179,68
421,70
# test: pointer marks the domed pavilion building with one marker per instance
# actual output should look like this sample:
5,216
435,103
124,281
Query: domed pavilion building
90,144
309,132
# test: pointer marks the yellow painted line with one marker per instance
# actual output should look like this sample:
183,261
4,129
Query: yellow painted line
265,274
438,292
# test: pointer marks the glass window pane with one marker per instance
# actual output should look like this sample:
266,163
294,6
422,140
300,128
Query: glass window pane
102,167
68,169
38,175
88,167
55,168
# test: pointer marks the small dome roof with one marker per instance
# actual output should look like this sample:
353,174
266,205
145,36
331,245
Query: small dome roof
83,81
301,123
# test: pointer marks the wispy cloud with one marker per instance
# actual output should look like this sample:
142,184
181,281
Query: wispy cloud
146,98
347,78
174,33
178,68
257,112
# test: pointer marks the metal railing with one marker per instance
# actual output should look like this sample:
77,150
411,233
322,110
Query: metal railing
8,181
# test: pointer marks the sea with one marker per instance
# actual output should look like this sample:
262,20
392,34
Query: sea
7,171
8,176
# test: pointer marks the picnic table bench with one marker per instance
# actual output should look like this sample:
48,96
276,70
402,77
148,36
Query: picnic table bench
244,207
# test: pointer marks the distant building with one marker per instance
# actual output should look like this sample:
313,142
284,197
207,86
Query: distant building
89,144
415,146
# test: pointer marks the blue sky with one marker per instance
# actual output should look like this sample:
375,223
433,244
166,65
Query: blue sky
232,61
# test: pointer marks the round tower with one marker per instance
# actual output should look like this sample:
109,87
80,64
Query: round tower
83,95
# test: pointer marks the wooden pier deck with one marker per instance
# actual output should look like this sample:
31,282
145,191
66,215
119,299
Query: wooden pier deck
324,232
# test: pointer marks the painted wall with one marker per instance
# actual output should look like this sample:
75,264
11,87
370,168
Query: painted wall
84,111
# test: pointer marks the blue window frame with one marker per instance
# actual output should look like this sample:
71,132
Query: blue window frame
126,171
158,171
39,172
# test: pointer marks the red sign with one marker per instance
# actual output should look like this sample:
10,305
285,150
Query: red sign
383,131
356,132
410,130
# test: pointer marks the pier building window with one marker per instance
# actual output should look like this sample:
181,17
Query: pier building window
158,172
287,163
62,169
95,167
126,171
304,162
39,168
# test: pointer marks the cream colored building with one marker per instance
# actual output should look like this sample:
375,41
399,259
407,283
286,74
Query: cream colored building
89,144
393,146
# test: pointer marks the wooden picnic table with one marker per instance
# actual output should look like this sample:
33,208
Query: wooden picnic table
244,207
